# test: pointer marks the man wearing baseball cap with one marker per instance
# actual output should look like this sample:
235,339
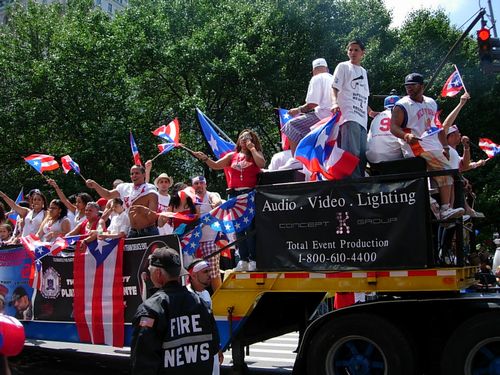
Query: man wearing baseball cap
412,117
207,201
381,144
316,107
20,300
174,331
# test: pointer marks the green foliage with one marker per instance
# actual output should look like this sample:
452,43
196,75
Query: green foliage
74,81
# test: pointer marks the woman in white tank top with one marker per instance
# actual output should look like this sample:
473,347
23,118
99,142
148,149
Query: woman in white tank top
56,223
32,216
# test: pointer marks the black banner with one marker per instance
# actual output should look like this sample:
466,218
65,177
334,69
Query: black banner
54,302
342,225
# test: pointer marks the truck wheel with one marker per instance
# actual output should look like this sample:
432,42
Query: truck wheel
360,344
474,347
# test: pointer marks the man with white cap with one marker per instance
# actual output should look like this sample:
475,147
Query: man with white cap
207,201
317,105
199,280
381,144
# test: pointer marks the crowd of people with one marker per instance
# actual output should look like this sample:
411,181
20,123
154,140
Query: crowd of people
139,208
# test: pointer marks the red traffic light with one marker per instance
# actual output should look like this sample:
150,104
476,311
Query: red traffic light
483,34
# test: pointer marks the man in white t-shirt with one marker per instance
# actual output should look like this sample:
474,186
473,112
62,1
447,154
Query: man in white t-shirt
350,93
140,199
412,117
207,201
381,144
317,105
199,280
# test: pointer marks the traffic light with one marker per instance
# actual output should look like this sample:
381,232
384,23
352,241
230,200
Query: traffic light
484,43
489,51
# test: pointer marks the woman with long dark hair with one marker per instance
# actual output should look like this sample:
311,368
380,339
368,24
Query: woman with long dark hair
243,168
56,223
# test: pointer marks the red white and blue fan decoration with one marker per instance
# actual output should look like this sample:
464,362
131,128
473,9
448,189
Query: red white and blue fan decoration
191,241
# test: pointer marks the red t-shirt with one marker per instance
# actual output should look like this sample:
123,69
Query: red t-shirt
243,172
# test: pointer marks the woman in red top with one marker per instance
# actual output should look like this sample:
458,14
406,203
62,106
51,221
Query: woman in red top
243,168
89,226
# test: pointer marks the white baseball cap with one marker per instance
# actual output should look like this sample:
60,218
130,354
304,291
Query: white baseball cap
452,129
319,62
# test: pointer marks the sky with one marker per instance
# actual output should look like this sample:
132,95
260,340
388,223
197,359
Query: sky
459,11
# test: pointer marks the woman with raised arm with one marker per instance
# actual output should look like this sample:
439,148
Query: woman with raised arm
244,166
32,216
78,208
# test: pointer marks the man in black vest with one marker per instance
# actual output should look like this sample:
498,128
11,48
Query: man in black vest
174,332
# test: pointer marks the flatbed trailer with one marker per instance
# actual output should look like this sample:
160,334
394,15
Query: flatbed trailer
419,317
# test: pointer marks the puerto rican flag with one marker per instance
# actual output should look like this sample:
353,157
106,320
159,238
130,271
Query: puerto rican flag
14,215
489,147
166,147
435,128
453,85
219,146
42,162
135,151
98,301
169,132
68,164
41,248
284,117
190,242
319,153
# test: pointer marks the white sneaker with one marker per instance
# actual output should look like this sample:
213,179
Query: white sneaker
475,214
252,266
241,266
450,213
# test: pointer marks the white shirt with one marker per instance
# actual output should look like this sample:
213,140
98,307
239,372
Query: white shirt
381,144
351,81
455,159
119,223
418,118
279,160
32,222
320,92
129,193
163,202
208,234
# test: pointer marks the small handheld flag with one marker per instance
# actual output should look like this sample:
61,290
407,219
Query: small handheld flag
284,117
453,85
135,151
435,128
169,132
14,215
42,163
489,147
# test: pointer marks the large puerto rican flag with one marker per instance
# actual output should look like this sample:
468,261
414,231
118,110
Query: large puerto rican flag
98,301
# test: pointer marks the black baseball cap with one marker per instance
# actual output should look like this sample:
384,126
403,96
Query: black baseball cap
18,293
413,78
168,259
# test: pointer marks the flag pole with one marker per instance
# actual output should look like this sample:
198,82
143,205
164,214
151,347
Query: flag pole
461,79
157,156
187,149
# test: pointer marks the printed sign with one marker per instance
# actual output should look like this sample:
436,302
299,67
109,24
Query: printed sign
339,225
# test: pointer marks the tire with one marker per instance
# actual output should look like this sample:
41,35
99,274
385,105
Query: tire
360,344
474,347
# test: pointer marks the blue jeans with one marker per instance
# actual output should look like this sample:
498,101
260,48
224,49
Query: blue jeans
144,232
246,247
352,138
